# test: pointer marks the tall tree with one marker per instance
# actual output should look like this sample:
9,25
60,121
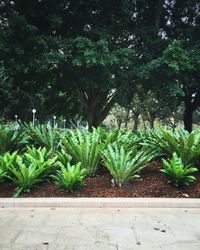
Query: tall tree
5,93
77,45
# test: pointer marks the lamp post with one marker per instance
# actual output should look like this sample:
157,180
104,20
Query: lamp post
34,111
64,123
54,121
16,116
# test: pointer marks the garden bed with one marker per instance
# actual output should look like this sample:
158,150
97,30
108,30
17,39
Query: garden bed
151,184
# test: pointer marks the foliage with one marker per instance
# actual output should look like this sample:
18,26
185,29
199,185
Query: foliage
122,137
166,142
7,160
63,158
5,92
30,169
176,172
43,137
2,175
70,177
125,164
11,139
84,147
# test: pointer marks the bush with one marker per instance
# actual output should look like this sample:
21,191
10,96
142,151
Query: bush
84,147
30,169
43,137
124,164
8,160
165,142
121,136
11,139
177,173
63,159
70,177
2,175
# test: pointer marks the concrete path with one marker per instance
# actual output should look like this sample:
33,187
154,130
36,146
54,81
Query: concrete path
99,228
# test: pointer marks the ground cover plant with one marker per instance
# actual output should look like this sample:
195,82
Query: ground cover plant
84,147
125,164
11,139
70,177
176,172
41,136
75,157
166,142
28,169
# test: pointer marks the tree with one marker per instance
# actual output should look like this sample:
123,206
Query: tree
169,50
5,92
180,65
121,115
59,45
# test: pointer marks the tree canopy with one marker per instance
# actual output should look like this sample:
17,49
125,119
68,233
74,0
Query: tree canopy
68,57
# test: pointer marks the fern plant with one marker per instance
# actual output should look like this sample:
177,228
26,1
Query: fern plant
84,147
124,164
30,169
165,142
62,159
43,137
176,172
2,174
11,139
40,157
71,177
7,160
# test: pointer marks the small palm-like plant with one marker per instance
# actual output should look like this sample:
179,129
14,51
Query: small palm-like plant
11,139
84,147
30,169
2,175
42,158
165,142
43,137
70,178
176,172
63,158
124,164
7,160
25,177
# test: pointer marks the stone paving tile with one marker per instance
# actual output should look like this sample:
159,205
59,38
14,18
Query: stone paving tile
99,228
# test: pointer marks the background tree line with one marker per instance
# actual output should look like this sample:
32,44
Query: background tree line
72,58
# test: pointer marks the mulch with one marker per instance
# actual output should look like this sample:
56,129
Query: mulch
151,184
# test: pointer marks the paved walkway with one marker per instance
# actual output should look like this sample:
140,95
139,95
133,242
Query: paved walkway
99,228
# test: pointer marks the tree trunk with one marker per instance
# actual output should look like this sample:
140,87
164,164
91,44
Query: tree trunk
188,116
126,119
119,124
152,118
136,121
152,123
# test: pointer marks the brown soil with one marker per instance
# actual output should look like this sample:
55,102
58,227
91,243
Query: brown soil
151,184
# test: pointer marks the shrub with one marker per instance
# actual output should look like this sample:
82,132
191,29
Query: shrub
43,137
70,177
84,147
176,172
11,139
165,142
124,164
30,169
121,136
40,157
7,160
63,158
2,174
